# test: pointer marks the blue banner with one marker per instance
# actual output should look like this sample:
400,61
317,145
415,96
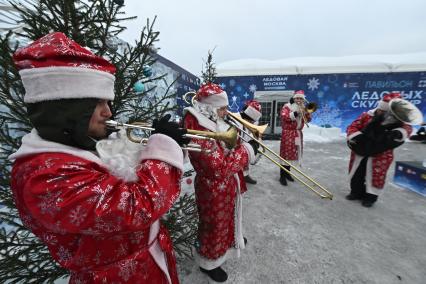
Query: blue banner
340,97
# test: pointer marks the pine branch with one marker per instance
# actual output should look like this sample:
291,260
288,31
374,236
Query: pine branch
210,74
96,25
182,222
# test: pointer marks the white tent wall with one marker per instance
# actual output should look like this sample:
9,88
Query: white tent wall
411,62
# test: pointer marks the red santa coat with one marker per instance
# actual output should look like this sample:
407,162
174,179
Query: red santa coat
99,227
291,147
378,165
218,187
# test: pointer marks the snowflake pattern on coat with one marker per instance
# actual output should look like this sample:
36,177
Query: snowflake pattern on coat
94,224
40,54
291,132
215,190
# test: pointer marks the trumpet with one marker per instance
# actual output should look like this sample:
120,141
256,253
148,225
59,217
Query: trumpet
229,137
310,107
254,132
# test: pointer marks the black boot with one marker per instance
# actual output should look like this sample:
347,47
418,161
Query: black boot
369,199
287,175
283,180
249,180
217,274
352,196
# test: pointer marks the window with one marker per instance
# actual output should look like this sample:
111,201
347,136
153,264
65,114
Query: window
266,113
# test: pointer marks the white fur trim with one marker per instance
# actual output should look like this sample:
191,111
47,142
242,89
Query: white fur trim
210,264
383,105
163,148
250,151
202,120
371,112
32,144
53,83
238,217
292,117
216,100
253,113
156,251
351,136
355,165
403,132
299,96
368,174
298,143
369,179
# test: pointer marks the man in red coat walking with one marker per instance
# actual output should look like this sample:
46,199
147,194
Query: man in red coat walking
372,138
219,183
293,119
96,203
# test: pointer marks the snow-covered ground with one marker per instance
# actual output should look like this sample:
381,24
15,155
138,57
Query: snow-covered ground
296,237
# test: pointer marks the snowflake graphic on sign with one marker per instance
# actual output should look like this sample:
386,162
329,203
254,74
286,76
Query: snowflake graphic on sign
252,88
327,116
313,84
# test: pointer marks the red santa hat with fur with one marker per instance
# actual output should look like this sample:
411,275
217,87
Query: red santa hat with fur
212,94
384,103
299,94
253,110
55,67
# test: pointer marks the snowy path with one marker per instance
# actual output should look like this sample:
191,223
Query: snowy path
295,237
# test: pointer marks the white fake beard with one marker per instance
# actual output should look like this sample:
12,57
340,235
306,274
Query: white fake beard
294,107
120,155
206,110
221,125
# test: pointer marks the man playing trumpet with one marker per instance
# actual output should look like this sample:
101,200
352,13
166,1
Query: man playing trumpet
219,183
96,208
293,119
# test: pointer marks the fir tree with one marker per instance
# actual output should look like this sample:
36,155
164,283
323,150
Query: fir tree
97,26
209,74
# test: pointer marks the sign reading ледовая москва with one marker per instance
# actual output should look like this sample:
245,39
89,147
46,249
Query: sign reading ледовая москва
340,97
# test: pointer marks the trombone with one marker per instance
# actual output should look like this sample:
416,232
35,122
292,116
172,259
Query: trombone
255,134
229,137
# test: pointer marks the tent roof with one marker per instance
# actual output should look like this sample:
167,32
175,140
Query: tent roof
410,62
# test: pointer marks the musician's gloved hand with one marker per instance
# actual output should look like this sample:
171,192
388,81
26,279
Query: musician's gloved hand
171,129
254,145
395,135
374,128
295,113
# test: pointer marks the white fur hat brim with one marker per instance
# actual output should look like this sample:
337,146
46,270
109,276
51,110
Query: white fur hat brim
55,83
216,100
253,113
299,96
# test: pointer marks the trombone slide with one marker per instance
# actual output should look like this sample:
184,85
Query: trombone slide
302,177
